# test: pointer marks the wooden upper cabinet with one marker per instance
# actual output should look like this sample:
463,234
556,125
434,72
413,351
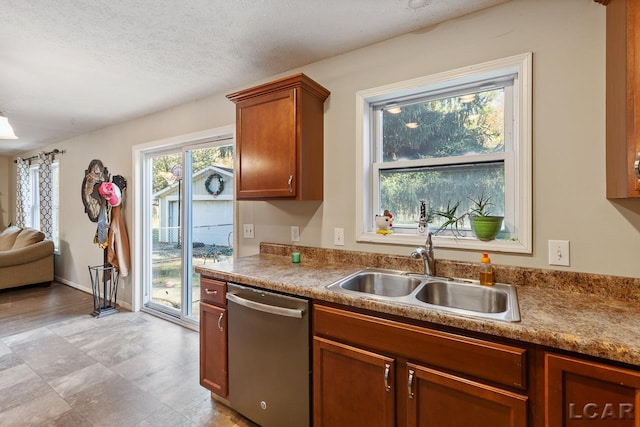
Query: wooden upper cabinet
623,87
279,140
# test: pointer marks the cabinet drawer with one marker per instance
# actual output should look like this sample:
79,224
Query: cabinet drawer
213,291
497,363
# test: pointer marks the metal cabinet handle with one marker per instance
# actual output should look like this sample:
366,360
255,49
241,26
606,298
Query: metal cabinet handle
289,183
272,309
410,384
220,322
213,292
636,166
387,371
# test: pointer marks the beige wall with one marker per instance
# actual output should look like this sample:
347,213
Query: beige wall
5,213
567,40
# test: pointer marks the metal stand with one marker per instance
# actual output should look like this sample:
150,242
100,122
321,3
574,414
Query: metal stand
104,283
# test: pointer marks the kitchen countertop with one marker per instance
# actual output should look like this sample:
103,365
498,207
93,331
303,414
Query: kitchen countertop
586,323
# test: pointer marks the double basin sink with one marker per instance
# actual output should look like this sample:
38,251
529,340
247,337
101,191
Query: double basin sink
462,297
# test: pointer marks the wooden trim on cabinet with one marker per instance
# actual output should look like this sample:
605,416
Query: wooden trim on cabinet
290,82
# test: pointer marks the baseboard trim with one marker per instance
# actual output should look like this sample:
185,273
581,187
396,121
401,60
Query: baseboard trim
79,287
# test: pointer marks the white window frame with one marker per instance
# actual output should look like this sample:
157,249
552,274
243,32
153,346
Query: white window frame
33,221
518,181
140,229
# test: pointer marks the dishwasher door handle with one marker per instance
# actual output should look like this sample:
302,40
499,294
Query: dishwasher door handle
272,309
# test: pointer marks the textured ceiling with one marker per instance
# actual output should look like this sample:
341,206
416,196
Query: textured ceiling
68,67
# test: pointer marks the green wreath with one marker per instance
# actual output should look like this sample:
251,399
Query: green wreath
219,181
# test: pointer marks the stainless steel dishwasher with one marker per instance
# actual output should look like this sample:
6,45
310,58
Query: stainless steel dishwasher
269,364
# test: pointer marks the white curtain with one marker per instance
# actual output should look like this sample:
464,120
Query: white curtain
45,188
23,193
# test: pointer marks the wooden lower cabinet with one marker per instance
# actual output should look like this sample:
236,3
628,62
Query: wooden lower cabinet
370,371
213,349
584,393
440,399
351,386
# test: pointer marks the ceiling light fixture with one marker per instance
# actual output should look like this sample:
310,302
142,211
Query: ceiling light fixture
6,131
411,125
394,110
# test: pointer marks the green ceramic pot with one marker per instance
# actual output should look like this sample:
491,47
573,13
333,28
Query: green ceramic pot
486,227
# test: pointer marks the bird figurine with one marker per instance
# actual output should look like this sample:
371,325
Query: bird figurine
384,223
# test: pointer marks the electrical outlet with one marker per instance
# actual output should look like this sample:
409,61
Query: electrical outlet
338,236
248,231
295,233
559,252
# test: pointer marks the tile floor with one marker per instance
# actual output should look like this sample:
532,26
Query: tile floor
126,369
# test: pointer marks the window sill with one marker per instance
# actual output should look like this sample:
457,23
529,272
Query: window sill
463,243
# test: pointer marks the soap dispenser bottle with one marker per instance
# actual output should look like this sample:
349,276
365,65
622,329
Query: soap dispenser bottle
486,270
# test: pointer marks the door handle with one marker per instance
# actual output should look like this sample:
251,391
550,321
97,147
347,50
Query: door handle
290,183
410,384
272,309
220,322
387,371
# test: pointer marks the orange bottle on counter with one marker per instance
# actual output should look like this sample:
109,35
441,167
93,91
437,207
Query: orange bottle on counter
486,270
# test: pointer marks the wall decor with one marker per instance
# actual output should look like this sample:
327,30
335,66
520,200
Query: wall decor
93,175
214,184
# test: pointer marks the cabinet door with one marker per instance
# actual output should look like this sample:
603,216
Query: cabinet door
584,393
623,103
352,387
213,349
439,399
266,149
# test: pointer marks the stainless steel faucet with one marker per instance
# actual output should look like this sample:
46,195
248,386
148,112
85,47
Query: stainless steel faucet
426,253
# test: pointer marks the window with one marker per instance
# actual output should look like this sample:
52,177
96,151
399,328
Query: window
33,215
446,139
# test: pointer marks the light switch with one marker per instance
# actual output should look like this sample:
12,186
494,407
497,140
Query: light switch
559,252
248,231
295,233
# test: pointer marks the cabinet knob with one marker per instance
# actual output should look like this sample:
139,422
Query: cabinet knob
410,384
636,166
213,292
289,183
387,371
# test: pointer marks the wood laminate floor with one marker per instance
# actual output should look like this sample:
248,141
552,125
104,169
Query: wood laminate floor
60,366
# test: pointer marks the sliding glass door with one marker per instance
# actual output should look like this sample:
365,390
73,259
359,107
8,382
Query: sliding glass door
189,222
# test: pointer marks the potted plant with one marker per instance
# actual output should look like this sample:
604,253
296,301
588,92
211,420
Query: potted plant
451,220
484,225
